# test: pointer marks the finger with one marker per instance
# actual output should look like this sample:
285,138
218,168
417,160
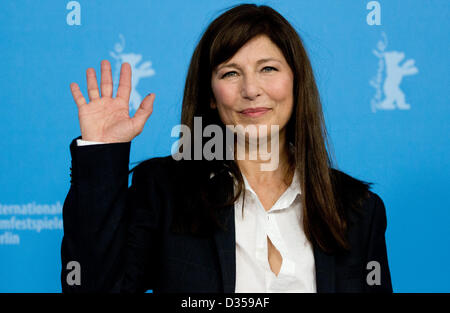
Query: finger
106,83
92,84
77,95
124,89
144,111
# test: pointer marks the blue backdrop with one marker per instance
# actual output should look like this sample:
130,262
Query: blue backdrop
380,68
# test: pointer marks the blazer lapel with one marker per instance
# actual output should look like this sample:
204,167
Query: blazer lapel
325,271
226,249
225,239
226,245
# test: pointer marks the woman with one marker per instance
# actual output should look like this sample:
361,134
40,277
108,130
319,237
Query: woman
222,225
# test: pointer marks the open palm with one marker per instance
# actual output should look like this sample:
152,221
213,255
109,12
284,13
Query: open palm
107,119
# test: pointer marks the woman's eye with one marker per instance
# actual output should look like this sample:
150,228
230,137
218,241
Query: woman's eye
269,67
265,69
227,74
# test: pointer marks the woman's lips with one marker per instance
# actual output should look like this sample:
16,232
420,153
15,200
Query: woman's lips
255,112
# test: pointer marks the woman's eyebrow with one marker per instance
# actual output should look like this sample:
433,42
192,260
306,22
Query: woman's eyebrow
257,63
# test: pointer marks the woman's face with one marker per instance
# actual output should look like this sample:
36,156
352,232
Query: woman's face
254,87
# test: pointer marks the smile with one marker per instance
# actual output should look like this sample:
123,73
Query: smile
255,112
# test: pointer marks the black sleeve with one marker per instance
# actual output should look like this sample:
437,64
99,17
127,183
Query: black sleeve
109,229
377,250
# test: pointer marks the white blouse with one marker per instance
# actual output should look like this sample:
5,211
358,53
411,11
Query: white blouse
283,225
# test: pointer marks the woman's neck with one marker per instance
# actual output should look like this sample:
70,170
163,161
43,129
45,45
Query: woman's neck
253,169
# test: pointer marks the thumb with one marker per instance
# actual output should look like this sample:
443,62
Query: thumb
144,111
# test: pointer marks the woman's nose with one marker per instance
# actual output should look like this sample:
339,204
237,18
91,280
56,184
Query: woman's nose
250,87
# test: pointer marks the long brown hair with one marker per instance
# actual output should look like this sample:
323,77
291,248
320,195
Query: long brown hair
324,216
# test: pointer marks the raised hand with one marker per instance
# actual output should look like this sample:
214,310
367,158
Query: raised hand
107,119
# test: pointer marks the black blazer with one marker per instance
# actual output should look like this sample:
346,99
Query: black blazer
121,238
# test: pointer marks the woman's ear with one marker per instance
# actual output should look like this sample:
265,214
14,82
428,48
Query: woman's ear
212,104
